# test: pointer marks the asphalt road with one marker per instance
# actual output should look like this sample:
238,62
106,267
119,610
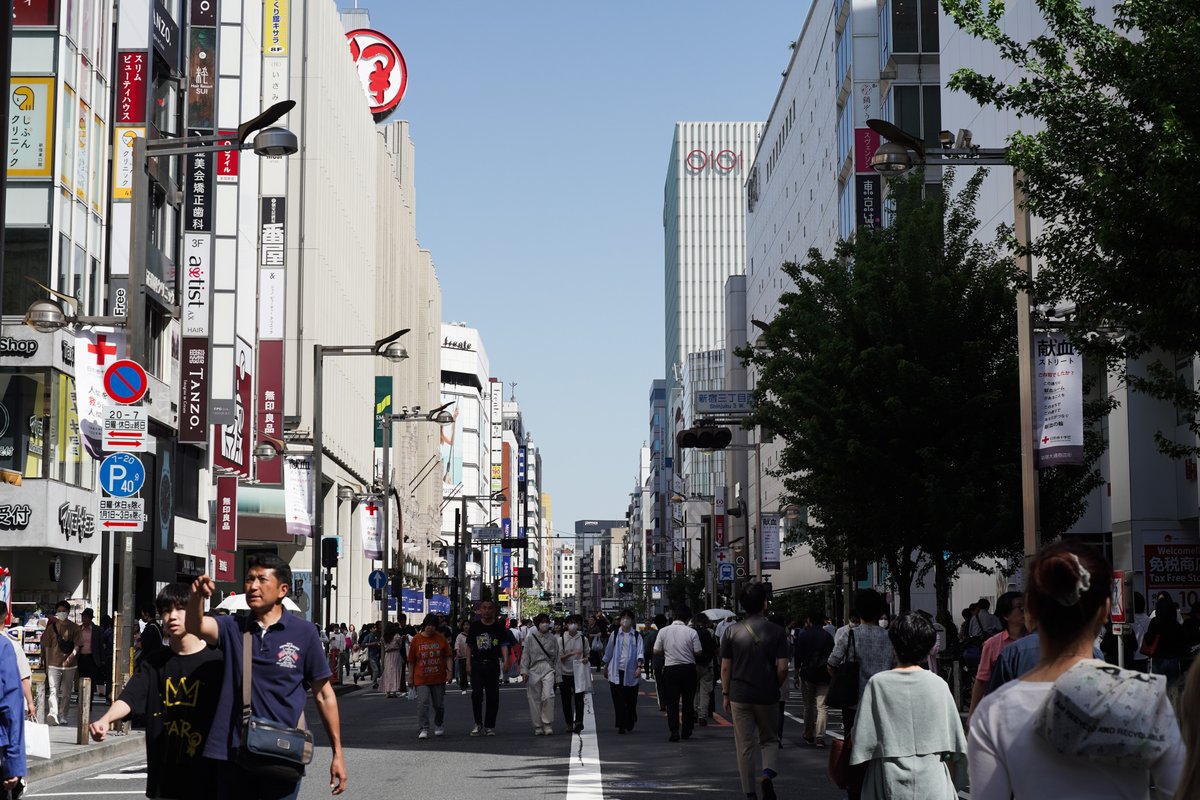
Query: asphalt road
385,758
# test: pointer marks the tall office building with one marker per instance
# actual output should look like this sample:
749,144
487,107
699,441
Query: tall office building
704,214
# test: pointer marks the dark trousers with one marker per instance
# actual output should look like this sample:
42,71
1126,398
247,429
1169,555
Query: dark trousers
236,783
460,666
485,678
88,668
625,700
572,704
679,685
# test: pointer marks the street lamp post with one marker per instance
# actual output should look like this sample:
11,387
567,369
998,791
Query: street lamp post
386,347
893,158
439,417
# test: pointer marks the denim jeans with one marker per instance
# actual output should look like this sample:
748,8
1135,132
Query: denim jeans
435,695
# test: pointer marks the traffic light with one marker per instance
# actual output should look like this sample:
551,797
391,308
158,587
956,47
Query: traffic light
704,435
623,585
544,596
524,577
428,589
329,552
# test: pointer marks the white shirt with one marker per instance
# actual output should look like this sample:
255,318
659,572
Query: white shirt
678,643
1008,760
625,643
723,626
22,659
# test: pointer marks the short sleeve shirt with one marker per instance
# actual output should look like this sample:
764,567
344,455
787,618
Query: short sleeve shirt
754,646
287,659
486,640
22,660
991,652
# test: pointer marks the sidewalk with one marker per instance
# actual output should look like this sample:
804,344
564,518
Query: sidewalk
66,755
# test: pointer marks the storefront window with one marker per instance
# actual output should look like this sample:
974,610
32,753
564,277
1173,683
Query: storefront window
24,422
71,461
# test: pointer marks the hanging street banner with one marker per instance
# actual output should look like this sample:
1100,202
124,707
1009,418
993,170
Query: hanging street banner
1058,401
298,495
769,553
96,349
370,517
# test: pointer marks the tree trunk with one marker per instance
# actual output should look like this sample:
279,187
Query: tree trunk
943,580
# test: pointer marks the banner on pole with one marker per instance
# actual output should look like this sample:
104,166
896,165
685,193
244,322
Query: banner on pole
1058,401
369,517
769,553
298,495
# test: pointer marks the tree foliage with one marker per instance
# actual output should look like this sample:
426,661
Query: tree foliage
1112,169
890,373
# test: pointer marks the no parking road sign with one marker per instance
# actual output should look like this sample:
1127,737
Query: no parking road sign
125,382
122,475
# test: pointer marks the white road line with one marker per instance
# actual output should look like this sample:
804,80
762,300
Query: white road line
790,715
584,781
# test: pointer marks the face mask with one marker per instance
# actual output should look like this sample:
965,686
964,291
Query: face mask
545,626
61,615
572,627
627,623
883,623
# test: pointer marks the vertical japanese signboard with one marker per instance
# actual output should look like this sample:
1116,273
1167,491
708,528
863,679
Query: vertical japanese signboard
226,513
198,178
232,442
30,127
1058,400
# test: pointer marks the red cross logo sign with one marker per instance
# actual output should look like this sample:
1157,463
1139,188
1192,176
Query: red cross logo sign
721,556
101,349
371,508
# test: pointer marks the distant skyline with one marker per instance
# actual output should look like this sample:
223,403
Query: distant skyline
543,131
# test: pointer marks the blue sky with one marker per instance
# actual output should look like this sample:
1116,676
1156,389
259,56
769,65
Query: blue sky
542,134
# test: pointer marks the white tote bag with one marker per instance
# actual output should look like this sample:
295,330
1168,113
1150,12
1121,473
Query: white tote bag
37,739
582,672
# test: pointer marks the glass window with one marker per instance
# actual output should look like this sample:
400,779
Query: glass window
26,253
905,26
918,110
929,27
24,420
71,463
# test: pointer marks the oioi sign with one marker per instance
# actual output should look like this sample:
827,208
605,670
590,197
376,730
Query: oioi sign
381,68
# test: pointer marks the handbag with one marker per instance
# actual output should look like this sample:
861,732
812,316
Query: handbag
582,672
843,689
270,749
37,739
839,761
1149,645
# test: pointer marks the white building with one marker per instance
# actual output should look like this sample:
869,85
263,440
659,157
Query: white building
564,589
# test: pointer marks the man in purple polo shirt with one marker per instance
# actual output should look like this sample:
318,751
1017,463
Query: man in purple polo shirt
287,657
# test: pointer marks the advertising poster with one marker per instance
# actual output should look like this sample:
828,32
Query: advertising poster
769,549
298,495
1058,400
30,127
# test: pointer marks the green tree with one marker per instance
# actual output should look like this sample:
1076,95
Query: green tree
1111,159
687,588
890,373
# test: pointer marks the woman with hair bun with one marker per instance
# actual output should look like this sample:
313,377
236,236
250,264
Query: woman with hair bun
1074,726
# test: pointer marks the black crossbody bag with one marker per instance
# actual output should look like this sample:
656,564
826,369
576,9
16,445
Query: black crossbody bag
270,749
843,690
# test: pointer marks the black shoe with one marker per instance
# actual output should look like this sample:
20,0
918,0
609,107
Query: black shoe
579,727
687,734
703,722
620,730
674,736
768,789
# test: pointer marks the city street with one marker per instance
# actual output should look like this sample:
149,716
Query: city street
384,756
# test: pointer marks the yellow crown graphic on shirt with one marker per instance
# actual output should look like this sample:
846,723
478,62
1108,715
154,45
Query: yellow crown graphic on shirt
183,695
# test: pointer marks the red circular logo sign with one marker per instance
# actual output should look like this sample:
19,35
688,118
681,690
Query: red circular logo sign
381,68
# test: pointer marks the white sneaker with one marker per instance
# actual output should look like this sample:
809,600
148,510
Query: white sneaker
439,731
466,691
424,734
477,731
489,731
547,731
51,719
538,732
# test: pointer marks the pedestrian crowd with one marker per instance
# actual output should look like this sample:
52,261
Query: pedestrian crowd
222,697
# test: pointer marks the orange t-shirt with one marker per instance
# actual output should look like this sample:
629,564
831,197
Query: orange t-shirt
427,655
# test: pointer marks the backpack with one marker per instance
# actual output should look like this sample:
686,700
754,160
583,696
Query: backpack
708,646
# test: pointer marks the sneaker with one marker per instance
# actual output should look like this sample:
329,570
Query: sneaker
538,732
51,719
466,691
439,731
702,722
424,734
674,736
477,731
547,731
768,789
579,727
489,731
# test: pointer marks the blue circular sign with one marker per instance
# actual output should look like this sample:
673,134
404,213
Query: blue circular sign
122,475
377,579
